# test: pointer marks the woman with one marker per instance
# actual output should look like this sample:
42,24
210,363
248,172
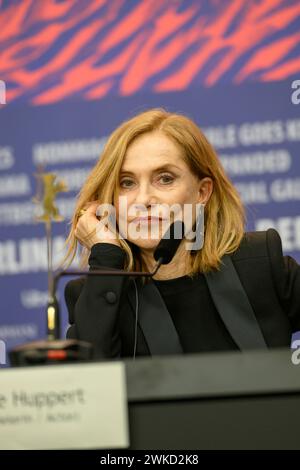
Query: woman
236,291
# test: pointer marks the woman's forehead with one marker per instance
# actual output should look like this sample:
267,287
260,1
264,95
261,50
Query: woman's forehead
152,149
153,141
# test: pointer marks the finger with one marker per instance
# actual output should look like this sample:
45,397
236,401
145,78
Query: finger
91,207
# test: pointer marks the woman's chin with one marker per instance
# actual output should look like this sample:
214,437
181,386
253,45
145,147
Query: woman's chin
146,244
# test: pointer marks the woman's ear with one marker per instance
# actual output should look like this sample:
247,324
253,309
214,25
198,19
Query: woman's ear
205,190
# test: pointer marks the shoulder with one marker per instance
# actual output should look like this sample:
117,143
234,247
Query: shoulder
75,285
259,244
260,257
72,291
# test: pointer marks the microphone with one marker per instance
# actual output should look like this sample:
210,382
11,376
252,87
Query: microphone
170,242
54,350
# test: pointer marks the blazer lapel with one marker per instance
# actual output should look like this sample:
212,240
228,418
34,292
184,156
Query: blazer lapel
234,307
154,319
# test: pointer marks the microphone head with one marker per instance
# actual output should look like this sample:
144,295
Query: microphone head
170,242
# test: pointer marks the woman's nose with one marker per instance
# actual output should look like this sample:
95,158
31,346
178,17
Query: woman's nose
145,195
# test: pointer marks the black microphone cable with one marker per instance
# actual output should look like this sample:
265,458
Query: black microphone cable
163,254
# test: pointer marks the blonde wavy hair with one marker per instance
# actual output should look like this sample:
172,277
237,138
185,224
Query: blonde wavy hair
224,212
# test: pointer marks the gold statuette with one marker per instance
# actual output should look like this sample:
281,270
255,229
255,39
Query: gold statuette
50,188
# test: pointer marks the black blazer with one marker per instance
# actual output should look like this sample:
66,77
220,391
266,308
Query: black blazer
256,293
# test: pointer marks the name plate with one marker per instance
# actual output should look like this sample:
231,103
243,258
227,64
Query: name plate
64,407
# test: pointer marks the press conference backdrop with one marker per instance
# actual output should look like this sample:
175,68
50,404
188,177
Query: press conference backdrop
71,71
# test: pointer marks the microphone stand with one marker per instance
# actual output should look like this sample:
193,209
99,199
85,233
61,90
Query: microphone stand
163,254
54,350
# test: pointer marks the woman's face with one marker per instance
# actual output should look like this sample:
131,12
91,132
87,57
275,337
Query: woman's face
153,178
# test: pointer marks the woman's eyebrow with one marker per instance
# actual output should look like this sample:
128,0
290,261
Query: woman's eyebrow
166,166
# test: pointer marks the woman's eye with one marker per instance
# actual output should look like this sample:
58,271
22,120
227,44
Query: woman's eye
166,179
126,183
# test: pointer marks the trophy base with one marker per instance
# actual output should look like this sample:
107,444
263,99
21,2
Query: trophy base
50,352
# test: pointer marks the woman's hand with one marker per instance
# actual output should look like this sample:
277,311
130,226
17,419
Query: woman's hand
89,230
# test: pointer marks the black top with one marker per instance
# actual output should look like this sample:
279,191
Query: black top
198,326
188,301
